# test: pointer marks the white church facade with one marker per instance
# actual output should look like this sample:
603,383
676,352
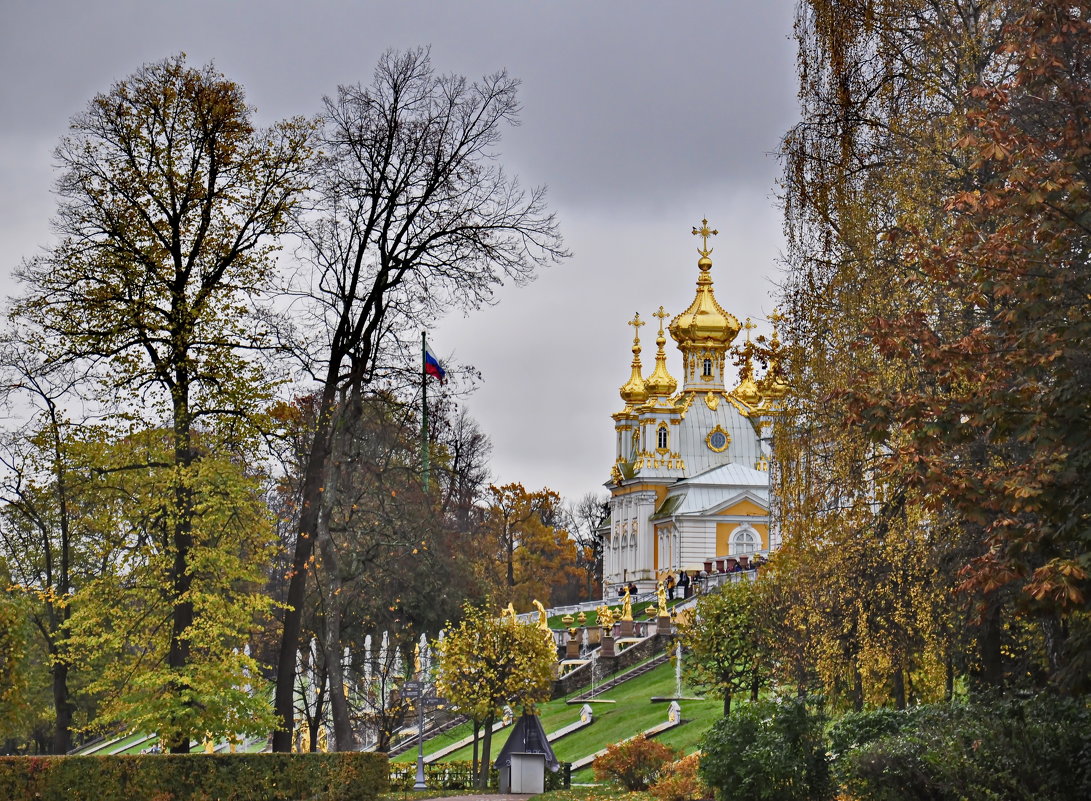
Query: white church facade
690,480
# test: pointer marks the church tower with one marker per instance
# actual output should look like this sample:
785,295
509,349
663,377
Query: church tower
704,331
689,481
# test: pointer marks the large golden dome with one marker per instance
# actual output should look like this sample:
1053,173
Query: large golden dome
705,322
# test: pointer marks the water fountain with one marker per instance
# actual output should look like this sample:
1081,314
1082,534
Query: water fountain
677,681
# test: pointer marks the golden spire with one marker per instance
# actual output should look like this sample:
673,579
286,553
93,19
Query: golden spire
634,391
704,323
661,382
747,391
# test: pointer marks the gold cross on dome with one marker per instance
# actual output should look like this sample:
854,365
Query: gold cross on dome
704,232
748,326
636,322
662,315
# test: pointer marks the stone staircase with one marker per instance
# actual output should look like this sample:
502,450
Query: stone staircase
619,678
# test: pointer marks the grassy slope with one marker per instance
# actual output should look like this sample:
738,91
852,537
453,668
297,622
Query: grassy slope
632,713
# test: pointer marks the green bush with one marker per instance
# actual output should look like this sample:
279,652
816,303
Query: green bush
858,729
194,777
634,763
768,751
1036,748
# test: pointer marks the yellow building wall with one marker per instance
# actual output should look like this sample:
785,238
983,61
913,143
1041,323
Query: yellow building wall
723,536
744,507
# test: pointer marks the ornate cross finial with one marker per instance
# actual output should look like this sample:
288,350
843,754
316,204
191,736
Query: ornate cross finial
662,315
748,326
636,322
704,232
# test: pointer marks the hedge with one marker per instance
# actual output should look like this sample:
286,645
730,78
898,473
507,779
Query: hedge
350,776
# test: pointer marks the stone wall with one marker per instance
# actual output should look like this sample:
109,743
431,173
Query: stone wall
580,678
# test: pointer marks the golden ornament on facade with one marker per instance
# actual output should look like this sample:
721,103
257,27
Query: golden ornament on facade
712,400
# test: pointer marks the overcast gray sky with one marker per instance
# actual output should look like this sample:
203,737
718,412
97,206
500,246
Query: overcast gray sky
641,117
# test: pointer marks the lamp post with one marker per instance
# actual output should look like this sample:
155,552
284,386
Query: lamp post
416,690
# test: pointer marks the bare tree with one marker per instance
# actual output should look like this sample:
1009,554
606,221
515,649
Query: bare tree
412,215
582,519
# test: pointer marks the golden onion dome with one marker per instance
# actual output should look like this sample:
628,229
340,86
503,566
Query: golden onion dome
705,322
747,391
661,383
634,391
773,386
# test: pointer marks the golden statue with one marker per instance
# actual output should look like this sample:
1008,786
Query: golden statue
509,612
417,669
661,595
627,606
606,618
542,624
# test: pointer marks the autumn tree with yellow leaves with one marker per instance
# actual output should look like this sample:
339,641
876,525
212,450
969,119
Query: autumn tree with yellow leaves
931,477
486,663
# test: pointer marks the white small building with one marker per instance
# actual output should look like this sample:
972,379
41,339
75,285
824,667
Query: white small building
690,480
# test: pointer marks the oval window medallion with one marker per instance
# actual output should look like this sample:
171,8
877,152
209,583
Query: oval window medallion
718,440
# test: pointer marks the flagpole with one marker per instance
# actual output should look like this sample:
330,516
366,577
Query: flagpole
424,408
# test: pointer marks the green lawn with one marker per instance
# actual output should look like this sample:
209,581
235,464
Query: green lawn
632,713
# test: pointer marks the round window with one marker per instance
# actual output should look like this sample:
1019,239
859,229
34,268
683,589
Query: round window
718,440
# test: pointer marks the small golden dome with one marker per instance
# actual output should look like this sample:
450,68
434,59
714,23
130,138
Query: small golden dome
705,322
747,391
773,386
661,383
634,391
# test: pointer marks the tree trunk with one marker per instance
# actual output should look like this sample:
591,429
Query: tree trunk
486,749
329,582
62,705
1054,635
898,688
284,696
343,736
181,579
62,731
992,658
727,704
509,541
477,731
755,686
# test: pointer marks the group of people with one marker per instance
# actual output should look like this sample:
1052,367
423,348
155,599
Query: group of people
681,585
685,584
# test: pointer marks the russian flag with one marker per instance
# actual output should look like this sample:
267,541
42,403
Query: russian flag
432,366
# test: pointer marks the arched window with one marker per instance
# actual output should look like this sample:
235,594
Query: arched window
744,541
661,438
706,370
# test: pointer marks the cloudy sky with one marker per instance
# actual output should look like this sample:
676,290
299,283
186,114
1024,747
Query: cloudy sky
641,117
